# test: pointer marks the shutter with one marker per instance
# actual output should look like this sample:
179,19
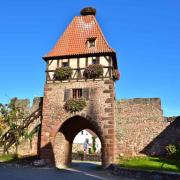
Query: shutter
85,93
67,94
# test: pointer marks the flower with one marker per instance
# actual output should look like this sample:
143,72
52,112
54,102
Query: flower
116,75
93,71
74,105
62,73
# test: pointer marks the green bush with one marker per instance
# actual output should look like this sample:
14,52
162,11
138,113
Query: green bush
8,157
93,71
116,75
94,144
74,105
62,73
173,151
81,155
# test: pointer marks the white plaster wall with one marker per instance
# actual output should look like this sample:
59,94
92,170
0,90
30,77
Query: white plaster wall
89,60
73,62
53,65
51,74
103,61
98,144
81,138
82,63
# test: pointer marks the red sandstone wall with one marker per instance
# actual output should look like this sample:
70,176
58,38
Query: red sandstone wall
139,125
99,111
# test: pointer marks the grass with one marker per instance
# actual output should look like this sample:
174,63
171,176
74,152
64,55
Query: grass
151,163
8,158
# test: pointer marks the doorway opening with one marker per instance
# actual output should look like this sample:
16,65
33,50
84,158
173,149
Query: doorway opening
69,132
86,146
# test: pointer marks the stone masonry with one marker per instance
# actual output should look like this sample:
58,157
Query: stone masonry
141,128
97,116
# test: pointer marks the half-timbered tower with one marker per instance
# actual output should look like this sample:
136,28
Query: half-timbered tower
79,90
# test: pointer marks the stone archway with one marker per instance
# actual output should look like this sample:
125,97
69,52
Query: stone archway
66,134
97,116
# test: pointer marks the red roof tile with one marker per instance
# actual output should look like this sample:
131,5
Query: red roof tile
74,39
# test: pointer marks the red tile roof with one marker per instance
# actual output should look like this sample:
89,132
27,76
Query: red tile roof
74,39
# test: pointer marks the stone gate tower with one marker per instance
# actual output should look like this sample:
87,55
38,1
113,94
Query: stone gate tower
80,67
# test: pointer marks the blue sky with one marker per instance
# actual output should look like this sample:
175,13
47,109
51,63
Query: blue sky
145,35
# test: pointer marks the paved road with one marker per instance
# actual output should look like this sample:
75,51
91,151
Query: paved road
78,171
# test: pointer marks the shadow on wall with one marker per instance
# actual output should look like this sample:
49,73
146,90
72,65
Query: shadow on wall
47,153
59,153
170,135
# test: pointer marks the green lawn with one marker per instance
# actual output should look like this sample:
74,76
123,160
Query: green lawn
150,163
7,158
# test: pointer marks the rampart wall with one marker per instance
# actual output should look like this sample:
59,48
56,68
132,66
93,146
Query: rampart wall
141,128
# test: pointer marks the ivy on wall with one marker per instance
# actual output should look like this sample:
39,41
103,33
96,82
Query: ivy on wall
75,105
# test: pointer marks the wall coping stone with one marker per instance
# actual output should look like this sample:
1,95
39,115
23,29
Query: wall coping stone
140,101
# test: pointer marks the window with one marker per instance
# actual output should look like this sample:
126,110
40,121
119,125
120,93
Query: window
65,64
95,60
77,93
91,42
87,141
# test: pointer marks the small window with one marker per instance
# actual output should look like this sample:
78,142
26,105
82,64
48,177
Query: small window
65,64
95,60
77,93
91,42
82,132
87,141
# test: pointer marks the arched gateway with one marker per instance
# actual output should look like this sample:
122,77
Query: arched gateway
79,91
65,135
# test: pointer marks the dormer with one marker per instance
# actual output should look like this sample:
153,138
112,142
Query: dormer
91,42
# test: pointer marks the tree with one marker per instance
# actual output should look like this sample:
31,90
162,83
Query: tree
30,135
94,144
12,117
2,125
